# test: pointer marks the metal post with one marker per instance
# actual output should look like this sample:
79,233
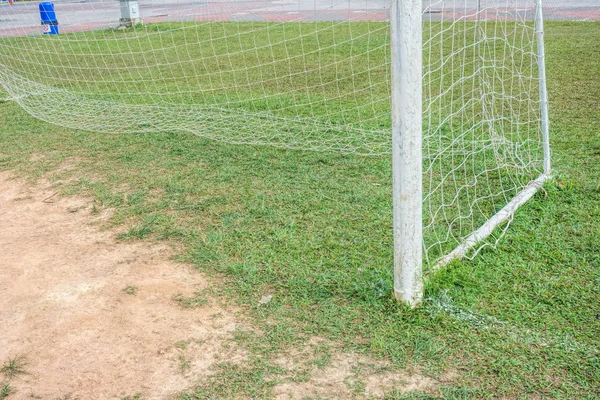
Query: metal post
407,180
539,29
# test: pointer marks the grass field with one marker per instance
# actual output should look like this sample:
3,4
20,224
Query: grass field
310,86
314,230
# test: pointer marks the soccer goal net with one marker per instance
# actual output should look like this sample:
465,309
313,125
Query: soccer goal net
318,75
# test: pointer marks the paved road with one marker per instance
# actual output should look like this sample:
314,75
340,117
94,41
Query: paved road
22,18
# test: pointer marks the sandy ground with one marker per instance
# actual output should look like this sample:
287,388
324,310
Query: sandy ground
64,307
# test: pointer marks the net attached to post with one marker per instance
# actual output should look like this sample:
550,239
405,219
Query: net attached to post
304,75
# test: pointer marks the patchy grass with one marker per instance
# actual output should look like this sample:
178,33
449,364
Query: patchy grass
5,390
181,344
197,300
314,230
131,290
14,366
11,368
231,380
136,396
184,364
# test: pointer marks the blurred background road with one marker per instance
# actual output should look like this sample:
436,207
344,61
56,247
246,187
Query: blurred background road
22,18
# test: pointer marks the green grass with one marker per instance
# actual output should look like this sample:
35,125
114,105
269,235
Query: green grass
131,289
11,368
136,396
14,366
184,363
314,230
5,390
197,300
317,86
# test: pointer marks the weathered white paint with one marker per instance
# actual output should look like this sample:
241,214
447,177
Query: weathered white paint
539,28
407,62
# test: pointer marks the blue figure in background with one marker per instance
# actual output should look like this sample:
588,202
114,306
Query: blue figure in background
48,17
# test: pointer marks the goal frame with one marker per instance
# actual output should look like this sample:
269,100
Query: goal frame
407,158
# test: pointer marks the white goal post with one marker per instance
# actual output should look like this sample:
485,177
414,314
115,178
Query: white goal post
407,132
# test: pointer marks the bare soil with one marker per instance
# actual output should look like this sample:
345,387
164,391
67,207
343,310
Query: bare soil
65,308
96,318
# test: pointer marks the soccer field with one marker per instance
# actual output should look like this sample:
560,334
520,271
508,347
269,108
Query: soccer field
306,86
313,228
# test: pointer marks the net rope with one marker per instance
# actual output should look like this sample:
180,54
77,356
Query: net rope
305,75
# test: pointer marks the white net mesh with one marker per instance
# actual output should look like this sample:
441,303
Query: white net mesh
299,74
482,128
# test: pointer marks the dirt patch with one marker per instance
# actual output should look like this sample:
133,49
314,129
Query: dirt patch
95,318
350,375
